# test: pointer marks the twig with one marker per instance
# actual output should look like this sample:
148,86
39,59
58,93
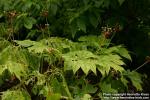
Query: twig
146,62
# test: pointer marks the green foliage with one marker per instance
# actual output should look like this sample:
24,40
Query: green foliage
67,49
13,61
16,95
135,78
80,59
42,64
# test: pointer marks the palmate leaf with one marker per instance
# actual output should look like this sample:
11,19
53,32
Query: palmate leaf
80,59
135,78
110,61
48,48
60,44
33,46
87,61
121,50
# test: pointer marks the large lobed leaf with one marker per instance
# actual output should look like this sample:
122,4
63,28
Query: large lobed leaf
110,61
121,50
87,61
33,46
80,59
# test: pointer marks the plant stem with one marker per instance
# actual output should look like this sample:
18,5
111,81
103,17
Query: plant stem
146,62
66,87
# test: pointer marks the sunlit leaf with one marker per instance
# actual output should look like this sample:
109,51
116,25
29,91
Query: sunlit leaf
80,59
86,97
15,95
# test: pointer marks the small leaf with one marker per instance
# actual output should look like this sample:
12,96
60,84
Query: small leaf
28,22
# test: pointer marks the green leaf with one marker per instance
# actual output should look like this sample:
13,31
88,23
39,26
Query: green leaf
81,25
57,88
87,61
27,5
53,9
121,1
93,20
110,61
16,68
80,59
2,69
73,28
15,61
15,95
28,22
122,51
53,97
135,78
124,81
40,79
107,88
60,44
86,97
94,41
25,43
1,14
4,55
38,48
88,88
33,46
